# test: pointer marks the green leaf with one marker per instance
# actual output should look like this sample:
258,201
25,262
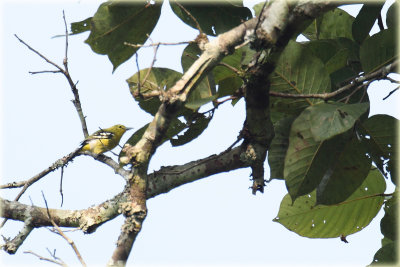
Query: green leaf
307,160
378,134
330,119
338,61
323,49
336,53
389,223
237,60
333,24
348,217
385,241
81,26
228,80
116,22
392,17
229,86
158,79
388,254
279,146
198,102
298,71
214,17
345,174
378,50
365,20
198,124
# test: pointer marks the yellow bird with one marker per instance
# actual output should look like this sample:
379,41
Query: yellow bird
104,139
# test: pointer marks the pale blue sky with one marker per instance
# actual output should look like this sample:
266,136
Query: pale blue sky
213,221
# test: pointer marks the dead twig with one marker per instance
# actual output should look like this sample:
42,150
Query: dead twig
391,92
59,262
192,17
65,72
27,183
156,44
70,241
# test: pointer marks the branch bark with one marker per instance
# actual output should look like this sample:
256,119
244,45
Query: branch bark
279,21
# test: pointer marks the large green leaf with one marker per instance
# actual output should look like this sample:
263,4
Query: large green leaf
348,217
387,255
154,80
379,134
392,16
345,174
81,26
116,22
336,53
333,24
198,123
330,119
229,72
214,17
378,50
279,146
240,58
229,86
365,20
307,160
298,71
389,222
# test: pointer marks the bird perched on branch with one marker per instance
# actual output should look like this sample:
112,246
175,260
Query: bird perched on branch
103,140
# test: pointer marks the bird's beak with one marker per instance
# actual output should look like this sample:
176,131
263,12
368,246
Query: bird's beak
129,128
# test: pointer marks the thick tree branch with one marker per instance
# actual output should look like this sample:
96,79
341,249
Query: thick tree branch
11,246
278,23
168,178
162,181
140,154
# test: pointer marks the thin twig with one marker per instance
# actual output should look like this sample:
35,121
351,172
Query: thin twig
152,62
44,71
259,18
70,241
65,61
61,182
391,79
218,103
361,86
39,54
53,254
139,83
65,72
235,70
191,16
156,44
391,92
45,259
355,83
27,183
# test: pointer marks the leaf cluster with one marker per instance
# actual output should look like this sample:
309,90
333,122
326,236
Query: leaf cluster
331,155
